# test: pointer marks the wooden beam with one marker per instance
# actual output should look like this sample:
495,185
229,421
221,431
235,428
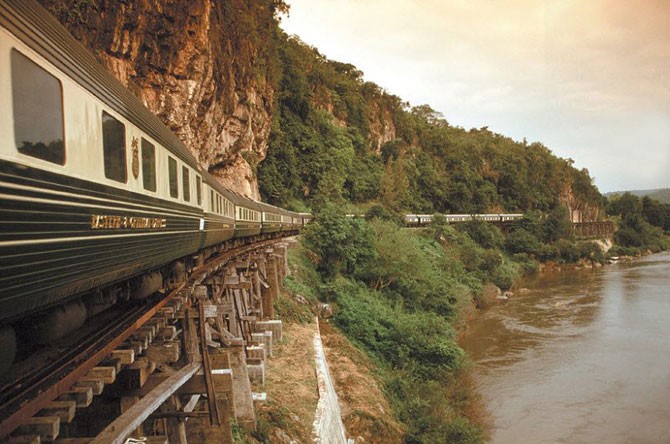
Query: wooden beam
214,415
123,426
124,356
83,396
96,384
47,427
63,409
107,374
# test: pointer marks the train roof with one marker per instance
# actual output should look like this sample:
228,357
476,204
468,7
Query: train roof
38,29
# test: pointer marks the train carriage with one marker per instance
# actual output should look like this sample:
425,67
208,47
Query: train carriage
94,188
219,212
271,218
247,216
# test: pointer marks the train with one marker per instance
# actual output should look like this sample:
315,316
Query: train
99,200
418,220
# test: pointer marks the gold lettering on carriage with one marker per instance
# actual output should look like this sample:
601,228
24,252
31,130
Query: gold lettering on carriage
113,222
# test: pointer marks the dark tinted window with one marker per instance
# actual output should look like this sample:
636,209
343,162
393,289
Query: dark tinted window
211,200
37,102
148,165
114,148
187,183
198,189
172,173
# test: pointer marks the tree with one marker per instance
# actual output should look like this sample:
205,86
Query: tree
341,243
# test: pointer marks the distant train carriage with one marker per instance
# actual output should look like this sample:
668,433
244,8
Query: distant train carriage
271,217
219,212
286,220
248,220
306,218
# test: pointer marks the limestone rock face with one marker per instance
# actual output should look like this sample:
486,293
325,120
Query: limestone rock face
202,66
382,128
578,210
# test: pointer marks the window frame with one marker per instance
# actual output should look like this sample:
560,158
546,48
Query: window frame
62,158
143,144
186,183
106,154
173,180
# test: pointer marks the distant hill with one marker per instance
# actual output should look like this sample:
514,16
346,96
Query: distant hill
662,194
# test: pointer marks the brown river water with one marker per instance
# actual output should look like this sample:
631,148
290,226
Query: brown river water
583,358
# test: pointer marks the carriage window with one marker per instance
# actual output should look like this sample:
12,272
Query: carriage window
114,148
198,189
148,165
211,200
37,100
187,183
172,174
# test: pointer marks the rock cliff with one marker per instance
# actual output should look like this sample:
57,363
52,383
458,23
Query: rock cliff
204,67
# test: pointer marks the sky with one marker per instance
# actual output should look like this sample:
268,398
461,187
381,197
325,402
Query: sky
590,79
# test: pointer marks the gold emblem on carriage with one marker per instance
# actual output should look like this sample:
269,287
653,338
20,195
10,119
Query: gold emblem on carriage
136,157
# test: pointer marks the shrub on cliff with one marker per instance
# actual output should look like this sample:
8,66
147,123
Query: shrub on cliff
341,243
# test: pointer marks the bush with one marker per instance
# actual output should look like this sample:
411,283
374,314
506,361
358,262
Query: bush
591,251
526,263
420,342
522,241
484,233
568,251
341,243
505,276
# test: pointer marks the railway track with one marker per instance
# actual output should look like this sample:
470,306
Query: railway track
69,382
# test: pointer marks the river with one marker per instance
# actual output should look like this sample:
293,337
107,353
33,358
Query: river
584,357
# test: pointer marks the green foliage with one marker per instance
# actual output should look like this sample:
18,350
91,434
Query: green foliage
484,233
506,274
522,240
656,213
557,225
341,243
421,343
642,222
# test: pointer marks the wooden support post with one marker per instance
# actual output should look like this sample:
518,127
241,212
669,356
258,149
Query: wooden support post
175,428
282,261
273,279
267,307
214,415
191,338
243,406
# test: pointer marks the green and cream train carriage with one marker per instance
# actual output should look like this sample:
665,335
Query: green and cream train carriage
94,189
